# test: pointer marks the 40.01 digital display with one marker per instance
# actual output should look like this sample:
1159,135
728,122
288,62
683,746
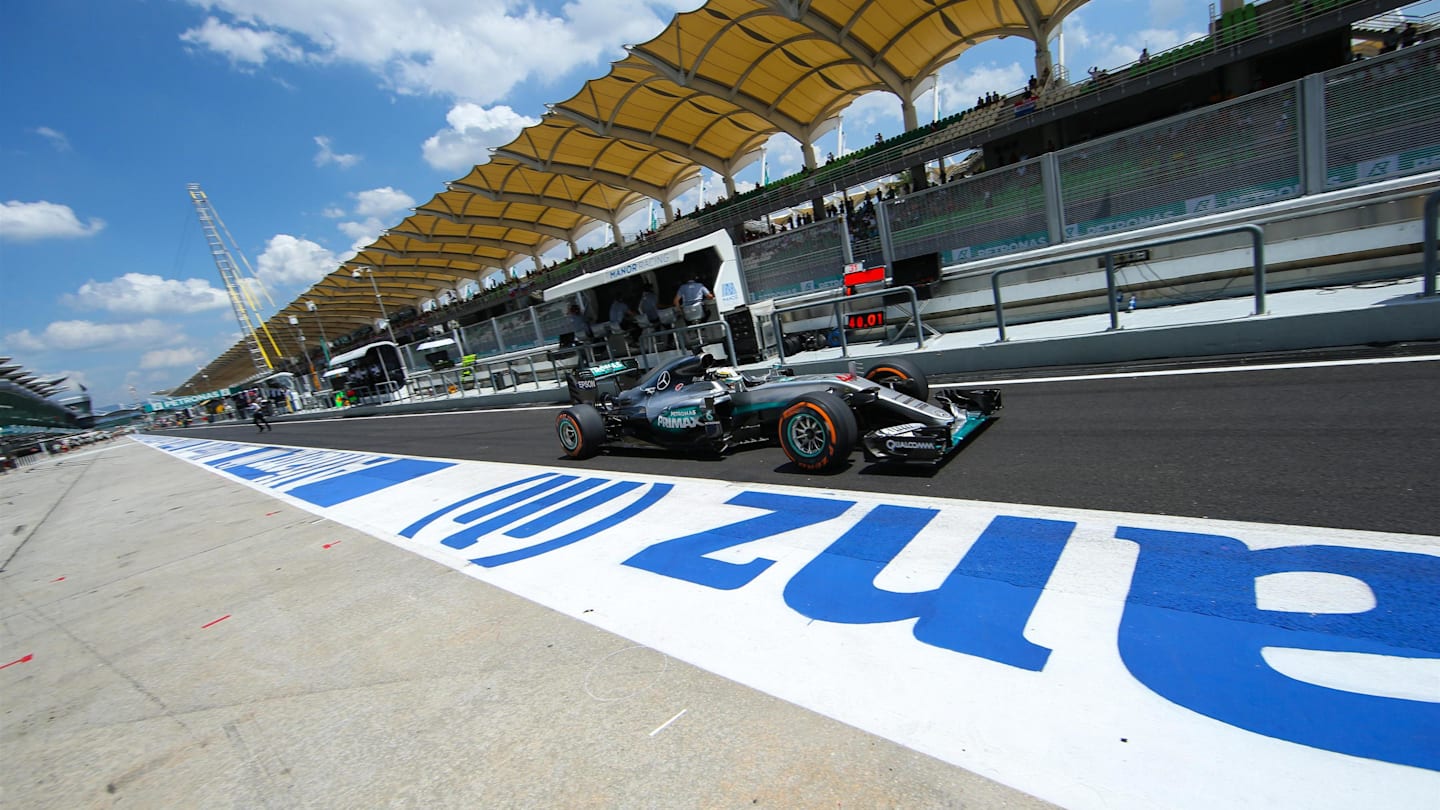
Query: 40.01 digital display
865,320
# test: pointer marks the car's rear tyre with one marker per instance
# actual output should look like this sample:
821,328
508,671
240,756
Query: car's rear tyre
817,432
581,429
901,375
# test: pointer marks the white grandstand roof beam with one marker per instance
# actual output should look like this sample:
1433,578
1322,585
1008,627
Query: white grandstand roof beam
582,172
560,237
558,234
438,254
799,11
990,33
602,214
714,163
844,101
1039,33
777,119
477,241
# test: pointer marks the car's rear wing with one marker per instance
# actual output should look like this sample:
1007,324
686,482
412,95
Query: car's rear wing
587,383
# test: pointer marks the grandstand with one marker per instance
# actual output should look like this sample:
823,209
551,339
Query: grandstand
1270,105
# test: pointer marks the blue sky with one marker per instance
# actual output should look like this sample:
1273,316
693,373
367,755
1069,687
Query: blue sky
313,126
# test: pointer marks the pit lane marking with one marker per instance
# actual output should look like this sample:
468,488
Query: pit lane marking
1183,372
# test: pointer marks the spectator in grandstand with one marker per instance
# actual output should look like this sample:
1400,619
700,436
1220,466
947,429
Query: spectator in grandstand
1144,56
690,300
1409,35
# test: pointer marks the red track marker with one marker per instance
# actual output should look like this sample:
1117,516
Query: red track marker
217,621
58,579
17,661
276,512
330,545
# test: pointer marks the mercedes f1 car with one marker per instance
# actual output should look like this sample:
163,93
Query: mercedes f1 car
689,404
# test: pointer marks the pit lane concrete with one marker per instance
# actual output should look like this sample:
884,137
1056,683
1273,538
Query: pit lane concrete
190,642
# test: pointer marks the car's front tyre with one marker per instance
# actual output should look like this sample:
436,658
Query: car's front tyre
901,375
581,429
818,432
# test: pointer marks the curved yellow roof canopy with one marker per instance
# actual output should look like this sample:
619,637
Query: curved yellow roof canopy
708,91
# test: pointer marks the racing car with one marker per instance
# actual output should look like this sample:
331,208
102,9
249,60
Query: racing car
691,405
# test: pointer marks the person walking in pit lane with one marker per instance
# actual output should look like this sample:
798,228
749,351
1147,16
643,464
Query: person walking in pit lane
257,415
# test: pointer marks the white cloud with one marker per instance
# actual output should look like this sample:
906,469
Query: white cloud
291,260
376,209
472,132
172,358
477,50
362,233
86,335
56,137
326,155
243,45
145,294
24,221
381,202
961,92
333,212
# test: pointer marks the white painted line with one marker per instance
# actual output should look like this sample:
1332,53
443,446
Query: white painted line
351,419
1180,372
667,723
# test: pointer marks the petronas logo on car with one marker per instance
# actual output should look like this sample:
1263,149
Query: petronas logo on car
678,418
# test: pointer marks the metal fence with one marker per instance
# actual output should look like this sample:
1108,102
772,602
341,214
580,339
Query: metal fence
806,259
987,215
1238,154
1360,123
1382,117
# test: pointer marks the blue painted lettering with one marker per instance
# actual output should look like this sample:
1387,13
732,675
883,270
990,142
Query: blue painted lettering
1193,632
684,557
980,609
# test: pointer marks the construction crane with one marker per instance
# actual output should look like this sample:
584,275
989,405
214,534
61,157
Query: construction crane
240,284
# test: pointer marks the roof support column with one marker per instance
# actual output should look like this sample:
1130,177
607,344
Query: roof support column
807,153
539,265
615,232
1043,60
908,115
729,185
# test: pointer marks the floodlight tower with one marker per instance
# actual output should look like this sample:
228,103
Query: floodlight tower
239,283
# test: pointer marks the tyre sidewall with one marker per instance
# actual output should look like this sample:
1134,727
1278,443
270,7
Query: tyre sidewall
901,375
838,423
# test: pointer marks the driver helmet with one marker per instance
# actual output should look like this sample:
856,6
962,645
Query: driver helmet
726,374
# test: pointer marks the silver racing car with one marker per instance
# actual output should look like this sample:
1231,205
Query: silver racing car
689,404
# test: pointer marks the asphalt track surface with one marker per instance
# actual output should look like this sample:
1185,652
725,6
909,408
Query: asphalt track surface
1341,446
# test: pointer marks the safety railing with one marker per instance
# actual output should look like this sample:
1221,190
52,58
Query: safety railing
651,341
838,302
1432,209
1257,236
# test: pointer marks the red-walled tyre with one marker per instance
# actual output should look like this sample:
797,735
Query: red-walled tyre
902,375
581,429
817,432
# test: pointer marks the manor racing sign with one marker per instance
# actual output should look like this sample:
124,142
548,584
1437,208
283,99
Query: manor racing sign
1095,659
